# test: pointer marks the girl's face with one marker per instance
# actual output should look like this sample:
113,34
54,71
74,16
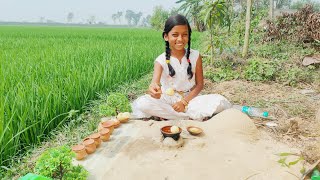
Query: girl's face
178,37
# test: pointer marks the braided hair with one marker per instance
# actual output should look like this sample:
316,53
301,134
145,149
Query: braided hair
170,23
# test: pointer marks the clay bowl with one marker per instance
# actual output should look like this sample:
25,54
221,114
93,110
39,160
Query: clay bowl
90,145
107,124
116,123
124,120
96,138
166,132
193,130
105,134
80,151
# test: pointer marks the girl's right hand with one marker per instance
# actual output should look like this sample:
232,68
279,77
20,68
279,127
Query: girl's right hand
155,90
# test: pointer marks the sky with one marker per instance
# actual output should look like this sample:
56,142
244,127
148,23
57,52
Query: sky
57,10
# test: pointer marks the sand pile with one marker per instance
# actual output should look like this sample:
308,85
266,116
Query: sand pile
230,148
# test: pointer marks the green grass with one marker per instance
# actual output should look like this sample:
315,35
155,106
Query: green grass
73,132
48,71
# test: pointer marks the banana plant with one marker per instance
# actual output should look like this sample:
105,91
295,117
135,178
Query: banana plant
215,14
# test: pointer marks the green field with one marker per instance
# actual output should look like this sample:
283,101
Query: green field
48,71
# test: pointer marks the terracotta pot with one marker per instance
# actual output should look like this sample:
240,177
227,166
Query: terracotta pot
90,145
96,138
80,151
102,120
116,123
109,125
105,134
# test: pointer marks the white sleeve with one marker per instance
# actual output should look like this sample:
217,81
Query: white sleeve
161,61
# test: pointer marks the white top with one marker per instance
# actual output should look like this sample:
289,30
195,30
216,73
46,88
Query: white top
180,81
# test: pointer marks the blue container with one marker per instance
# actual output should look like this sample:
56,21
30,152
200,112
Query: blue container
31,176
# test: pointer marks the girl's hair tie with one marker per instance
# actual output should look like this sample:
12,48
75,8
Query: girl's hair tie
167,61
188,60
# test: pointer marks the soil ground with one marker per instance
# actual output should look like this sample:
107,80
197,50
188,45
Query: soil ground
294,110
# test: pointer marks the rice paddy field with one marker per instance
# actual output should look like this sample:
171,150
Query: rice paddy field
47,72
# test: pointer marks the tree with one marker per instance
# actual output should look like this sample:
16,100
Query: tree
215,14
70,17
192,8
119,15
247,32
92,20
146,21
129,16
114,18
42,19
136,18
271,10
158,17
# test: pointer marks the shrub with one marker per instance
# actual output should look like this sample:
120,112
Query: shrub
57,163
116,102
257,70
295,75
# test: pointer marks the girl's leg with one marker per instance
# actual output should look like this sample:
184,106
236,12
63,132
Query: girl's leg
206,105
146,106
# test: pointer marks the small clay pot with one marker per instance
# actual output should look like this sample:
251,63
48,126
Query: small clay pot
109,125
96,138
124,120
80,151
102,120
105,134
166,132
116,123
123,117
90,145
193,130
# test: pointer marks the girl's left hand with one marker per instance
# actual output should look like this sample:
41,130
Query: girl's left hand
179,106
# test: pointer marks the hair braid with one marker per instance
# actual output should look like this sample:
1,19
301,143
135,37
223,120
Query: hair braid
168,54
189,70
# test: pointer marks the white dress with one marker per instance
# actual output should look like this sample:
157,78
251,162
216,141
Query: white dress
199,107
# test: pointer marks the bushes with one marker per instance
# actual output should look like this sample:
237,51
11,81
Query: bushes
115,103
56,163
258,70
261,69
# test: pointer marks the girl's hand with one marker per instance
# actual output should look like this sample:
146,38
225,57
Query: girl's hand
155,90
179,107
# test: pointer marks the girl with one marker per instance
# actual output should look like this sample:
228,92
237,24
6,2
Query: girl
177,80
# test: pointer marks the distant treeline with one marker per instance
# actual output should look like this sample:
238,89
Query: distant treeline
63,24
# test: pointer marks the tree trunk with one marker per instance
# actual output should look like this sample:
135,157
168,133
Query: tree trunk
247,33
211,43
232,12
271,10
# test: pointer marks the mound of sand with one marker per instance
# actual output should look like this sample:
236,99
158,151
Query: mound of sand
230,148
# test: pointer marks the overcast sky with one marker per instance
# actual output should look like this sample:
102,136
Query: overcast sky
57,10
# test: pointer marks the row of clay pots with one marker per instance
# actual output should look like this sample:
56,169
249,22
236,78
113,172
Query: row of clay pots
90,143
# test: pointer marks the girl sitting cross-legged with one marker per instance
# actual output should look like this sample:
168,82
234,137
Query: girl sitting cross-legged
177,80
